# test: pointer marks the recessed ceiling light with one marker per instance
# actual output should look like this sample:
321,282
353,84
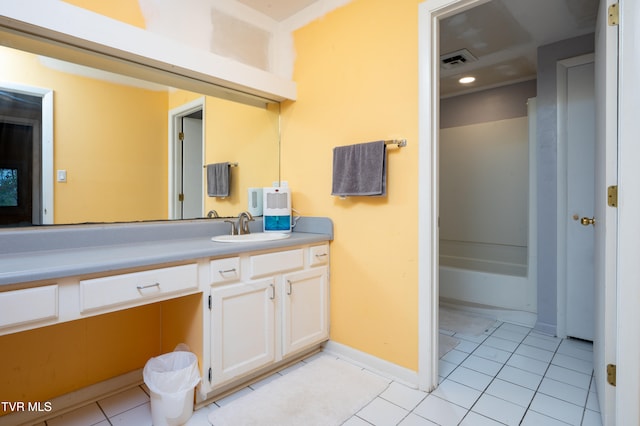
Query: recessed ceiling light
467,80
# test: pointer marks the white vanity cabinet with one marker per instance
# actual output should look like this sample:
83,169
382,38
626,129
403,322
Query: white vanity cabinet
276,306
135,291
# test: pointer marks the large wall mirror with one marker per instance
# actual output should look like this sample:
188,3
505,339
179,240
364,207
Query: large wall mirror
116,155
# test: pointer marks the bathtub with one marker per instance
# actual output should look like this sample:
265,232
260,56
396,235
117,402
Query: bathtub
488,278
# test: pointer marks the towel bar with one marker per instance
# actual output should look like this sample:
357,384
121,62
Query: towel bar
399,142
230,165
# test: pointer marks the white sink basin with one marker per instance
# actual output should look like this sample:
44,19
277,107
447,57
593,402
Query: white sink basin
251,238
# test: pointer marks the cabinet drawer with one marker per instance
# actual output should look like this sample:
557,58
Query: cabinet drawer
137,286
265,264
28,305
319,255
225,270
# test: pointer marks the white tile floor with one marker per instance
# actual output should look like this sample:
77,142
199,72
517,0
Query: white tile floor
510,375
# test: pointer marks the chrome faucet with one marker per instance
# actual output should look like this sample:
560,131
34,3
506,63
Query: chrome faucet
212,213
243,222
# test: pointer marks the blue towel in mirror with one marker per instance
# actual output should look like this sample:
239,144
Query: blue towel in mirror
218,180
360,170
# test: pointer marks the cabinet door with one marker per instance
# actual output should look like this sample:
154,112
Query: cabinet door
242,327
305,309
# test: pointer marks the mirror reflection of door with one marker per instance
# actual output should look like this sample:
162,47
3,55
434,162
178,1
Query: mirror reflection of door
192,167
20,117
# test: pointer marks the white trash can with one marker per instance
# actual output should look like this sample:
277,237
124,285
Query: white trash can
171,378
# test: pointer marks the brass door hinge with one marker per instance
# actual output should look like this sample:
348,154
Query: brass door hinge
181,136
612,196
614,14
180,197
611,374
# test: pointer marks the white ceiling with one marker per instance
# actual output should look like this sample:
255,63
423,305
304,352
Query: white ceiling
503,34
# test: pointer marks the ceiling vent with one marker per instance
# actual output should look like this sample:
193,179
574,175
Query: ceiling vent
456,59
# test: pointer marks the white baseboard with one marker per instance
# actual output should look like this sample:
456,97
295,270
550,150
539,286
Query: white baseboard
526,319
73,400
384,368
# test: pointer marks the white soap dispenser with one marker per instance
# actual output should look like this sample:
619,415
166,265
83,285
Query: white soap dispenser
254,203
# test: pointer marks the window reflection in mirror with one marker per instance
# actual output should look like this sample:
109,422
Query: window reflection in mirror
8,187
112,141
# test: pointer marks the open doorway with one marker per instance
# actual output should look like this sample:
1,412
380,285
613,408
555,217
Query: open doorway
186,161
26,155
549,57
488,218
476,22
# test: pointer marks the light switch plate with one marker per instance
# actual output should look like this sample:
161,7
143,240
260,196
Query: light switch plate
62,176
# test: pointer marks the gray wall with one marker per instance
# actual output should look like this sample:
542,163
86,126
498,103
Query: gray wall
547,142
496,104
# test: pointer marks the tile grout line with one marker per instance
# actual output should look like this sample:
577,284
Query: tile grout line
584,411
467,357
540,384
494,377
104,414
537,390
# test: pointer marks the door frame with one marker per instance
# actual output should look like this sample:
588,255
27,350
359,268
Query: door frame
174,157
46,190
562,163
429,14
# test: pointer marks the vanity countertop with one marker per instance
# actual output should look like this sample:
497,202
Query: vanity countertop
44,262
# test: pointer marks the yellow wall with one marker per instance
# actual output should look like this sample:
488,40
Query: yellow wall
254,147
357,75
177,98
122,10
110,138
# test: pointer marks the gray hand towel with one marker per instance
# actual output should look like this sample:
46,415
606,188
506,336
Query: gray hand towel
360,169
218,180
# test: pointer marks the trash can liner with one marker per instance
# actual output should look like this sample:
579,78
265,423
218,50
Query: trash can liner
172,373
171,378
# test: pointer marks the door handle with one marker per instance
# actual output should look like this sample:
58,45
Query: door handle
586,221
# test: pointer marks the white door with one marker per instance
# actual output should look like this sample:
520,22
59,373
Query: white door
192,169
606,83
186,160
580,160
628,266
